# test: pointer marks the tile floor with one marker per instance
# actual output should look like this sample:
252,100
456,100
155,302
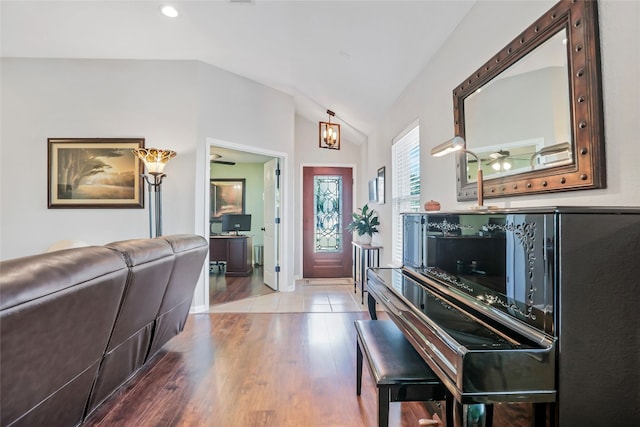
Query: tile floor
307,298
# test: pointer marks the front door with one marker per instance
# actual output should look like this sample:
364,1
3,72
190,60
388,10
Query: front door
327,205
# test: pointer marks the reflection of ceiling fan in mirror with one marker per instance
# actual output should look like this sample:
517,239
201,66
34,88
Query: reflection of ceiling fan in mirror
499,160
215,158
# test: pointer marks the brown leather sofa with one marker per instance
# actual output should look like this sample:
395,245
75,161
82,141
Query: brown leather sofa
76,324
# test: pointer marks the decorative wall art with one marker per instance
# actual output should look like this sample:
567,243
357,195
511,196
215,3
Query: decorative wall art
94,173
227,197
373,190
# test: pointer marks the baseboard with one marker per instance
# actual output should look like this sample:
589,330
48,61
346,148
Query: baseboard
199,309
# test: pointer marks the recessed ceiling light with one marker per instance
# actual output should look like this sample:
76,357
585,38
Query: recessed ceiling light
169,11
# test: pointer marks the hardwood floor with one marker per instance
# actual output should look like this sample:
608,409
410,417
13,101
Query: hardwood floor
224,289
244,369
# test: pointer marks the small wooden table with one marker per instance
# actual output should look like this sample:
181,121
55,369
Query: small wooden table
364,256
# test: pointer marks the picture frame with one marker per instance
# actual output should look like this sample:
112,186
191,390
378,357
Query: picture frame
94,173
227,196
381,173
373,190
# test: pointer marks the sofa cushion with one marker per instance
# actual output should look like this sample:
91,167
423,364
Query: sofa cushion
150,263
57,313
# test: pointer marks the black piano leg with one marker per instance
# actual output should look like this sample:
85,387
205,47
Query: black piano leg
475,415
371,303
450,405
543,412
488,418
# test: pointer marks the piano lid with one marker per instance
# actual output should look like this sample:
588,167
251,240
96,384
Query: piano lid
465,329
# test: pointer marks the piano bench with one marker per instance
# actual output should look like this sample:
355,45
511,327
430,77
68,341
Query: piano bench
400,374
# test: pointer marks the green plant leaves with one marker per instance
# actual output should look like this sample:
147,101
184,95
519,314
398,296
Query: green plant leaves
364,222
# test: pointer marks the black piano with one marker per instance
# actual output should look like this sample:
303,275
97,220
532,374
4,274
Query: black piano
536,308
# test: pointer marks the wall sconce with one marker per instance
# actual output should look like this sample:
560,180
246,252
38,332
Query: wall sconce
563,147
329,134
154,160
457,144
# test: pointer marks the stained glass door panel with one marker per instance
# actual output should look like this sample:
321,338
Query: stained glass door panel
327,194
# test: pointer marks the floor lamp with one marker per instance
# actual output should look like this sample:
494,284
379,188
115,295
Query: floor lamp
154,160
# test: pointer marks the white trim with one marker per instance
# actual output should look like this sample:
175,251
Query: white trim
203,175
199,309
242,147
354,174
405,131
285,226
200,302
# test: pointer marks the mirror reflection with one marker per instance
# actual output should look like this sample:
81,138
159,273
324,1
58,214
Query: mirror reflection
521,120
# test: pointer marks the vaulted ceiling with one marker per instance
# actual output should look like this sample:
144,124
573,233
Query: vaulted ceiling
353,57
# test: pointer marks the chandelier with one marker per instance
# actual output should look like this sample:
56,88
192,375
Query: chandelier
329,134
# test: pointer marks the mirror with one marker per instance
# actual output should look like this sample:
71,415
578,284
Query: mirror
533,112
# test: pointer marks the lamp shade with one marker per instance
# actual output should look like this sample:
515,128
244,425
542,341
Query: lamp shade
154,159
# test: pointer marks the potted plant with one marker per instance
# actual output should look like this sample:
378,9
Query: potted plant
365,223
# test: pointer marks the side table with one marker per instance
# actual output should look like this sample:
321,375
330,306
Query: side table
364,256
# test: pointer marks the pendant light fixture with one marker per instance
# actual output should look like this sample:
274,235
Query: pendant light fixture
329,134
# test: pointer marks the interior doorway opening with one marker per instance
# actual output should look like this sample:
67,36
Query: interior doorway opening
243,180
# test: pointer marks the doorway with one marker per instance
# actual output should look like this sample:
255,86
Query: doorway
261,199
327,204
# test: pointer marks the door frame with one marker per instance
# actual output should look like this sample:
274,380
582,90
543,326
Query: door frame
354,193
203,177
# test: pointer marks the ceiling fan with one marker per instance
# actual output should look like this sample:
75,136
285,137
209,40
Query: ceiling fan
215,158
499,161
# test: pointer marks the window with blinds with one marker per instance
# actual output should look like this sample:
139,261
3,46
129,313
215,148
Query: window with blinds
405,188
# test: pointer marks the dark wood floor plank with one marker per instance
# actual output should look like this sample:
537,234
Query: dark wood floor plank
286,369
224,289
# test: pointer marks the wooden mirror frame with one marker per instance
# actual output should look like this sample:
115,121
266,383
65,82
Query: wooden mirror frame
587,171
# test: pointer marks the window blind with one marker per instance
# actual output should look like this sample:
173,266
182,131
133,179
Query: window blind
405,188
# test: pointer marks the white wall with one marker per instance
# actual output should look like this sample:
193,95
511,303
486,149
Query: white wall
247,116
172,104
69,98
309,154
487,28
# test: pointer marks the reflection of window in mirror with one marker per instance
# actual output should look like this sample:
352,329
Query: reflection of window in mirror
520,112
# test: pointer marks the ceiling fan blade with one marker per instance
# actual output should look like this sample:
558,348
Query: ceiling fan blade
223,162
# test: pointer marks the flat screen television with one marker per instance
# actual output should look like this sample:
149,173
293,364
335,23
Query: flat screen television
236,223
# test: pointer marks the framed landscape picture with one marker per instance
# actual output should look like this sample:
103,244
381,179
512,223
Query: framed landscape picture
94,173
227,197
